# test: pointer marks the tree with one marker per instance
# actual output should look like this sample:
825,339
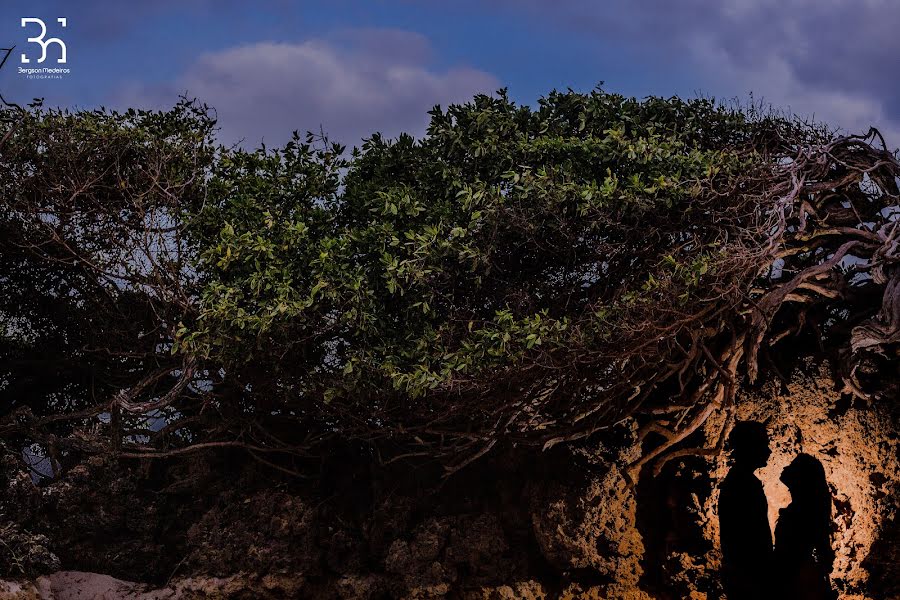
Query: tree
518,275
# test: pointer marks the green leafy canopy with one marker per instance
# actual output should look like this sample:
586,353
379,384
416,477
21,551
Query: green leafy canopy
529,273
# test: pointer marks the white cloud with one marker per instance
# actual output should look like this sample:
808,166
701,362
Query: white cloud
836,59
774,76
363,81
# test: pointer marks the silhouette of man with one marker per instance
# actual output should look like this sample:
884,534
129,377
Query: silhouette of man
743,516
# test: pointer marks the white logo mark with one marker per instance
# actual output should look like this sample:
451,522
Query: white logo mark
44,43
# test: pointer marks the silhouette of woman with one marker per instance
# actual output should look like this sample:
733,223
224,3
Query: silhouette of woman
803,553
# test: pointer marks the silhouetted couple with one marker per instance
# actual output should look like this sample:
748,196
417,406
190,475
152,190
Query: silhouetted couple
799,564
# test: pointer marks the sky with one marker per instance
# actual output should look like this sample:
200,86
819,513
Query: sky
353,67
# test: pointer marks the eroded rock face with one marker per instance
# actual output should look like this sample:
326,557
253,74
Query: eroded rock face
271,532
444,552
23,551
564,525
586,525
858,447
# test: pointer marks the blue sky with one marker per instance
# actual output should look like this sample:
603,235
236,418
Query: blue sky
354,67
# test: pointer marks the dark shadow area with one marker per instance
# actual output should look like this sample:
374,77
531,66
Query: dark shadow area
883,562
743,517
803,553
668,521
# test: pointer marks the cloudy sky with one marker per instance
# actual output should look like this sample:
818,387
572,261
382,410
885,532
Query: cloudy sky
353,67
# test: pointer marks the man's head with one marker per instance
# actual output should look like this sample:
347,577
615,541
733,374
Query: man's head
749,444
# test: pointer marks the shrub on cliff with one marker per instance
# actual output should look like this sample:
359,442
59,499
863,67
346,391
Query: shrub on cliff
529,275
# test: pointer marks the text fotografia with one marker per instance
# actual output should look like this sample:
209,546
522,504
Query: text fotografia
43,72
